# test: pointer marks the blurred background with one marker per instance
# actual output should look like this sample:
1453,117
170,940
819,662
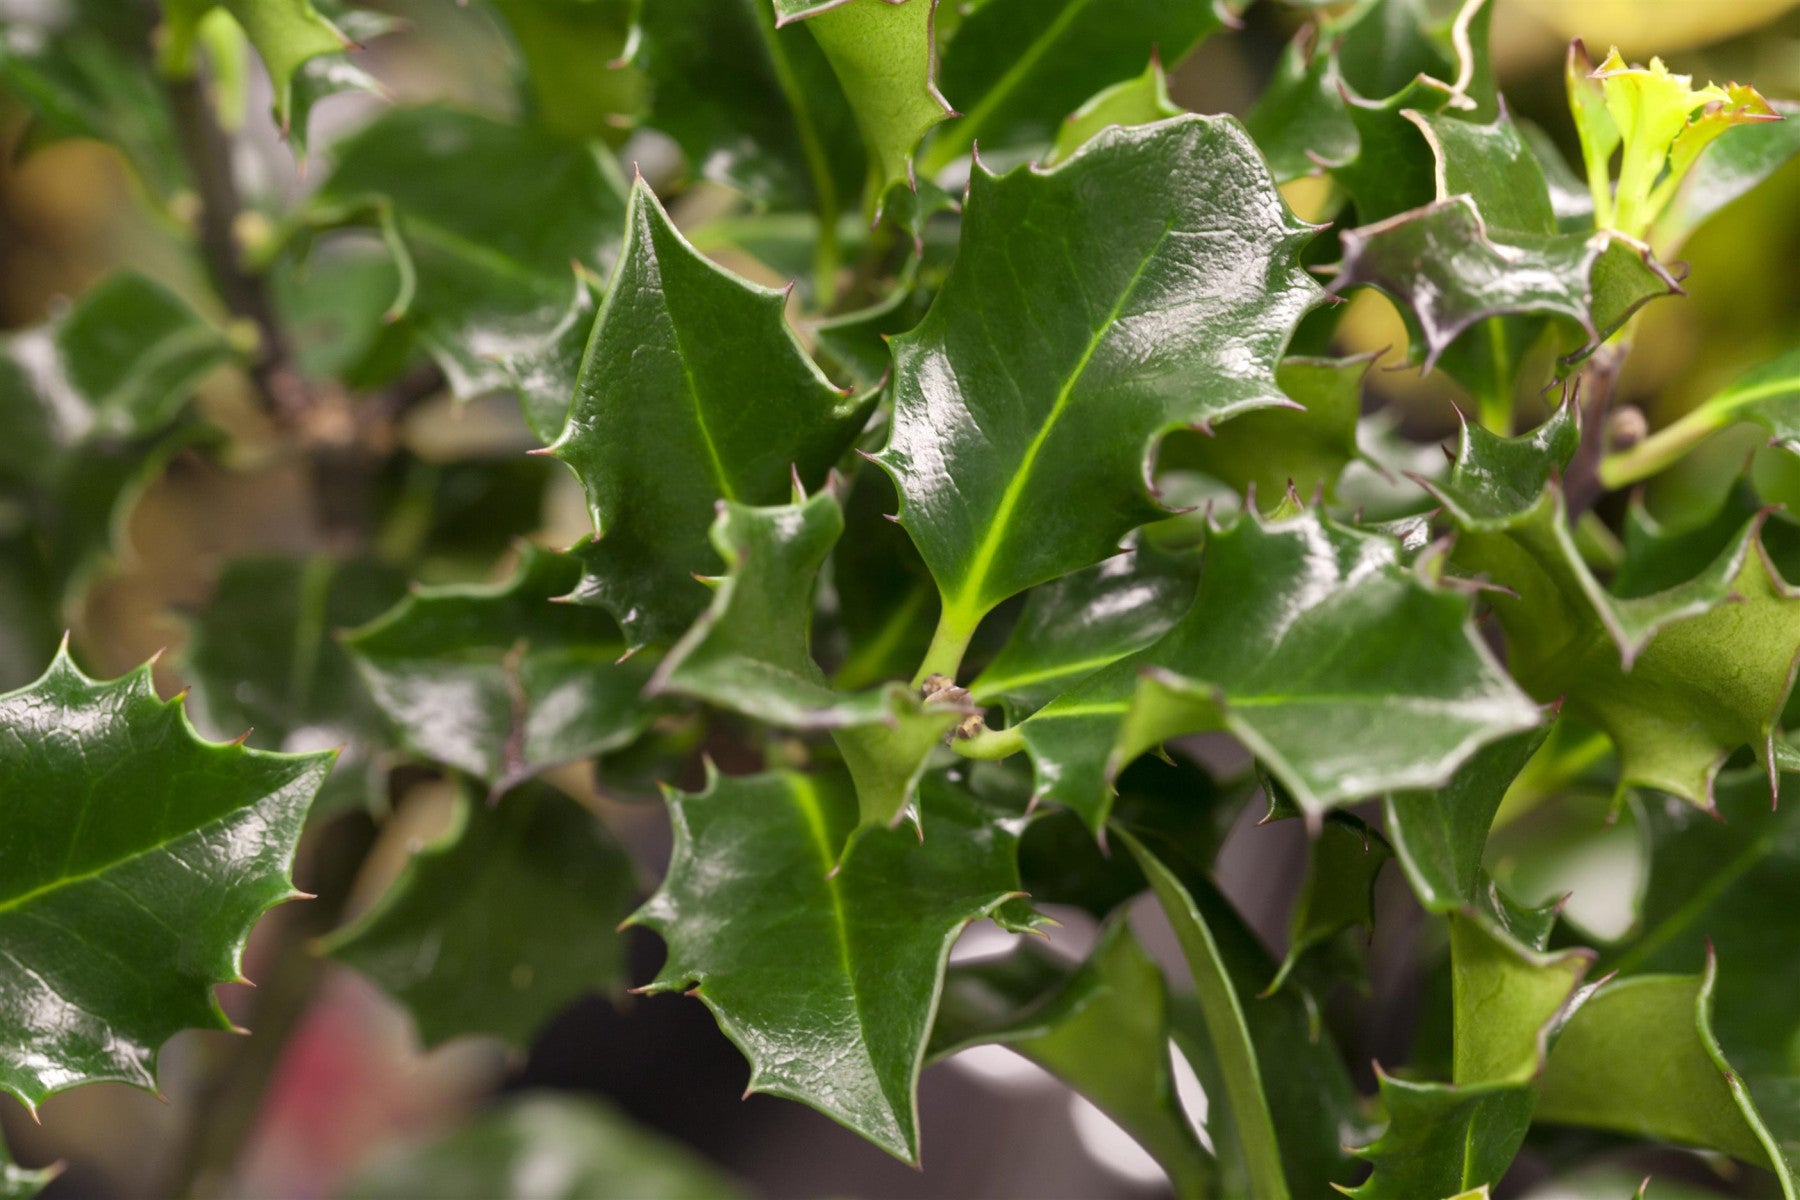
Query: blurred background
351,1083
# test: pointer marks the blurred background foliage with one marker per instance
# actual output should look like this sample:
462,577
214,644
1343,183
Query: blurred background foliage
352,1082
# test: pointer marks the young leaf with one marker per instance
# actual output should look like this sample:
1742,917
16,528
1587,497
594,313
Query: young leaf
485,271
1101,1027
1016,67
1343,671
501,923
1139,101
136,859
693,390
1186,265
884,56
1738,161
586,1148
263,660
1677,678
827,979
498,680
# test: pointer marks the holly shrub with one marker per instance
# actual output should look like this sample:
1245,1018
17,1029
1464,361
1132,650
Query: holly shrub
1049,520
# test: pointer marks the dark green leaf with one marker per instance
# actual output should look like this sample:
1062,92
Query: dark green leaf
485,271
498,680
1021,430
136,858
501,923
1101,1027
662,426
1301,118
1138,101
1339,892
264,660
572,50
827,979
885,602
1344,671
544,1147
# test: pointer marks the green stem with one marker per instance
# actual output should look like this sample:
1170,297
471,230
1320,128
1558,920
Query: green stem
990,744
818,163
948,645
1662,449
1495,405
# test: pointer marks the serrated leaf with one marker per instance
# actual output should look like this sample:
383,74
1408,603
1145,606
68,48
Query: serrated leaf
264,661
1189,285
1101,1026
1078,624
499,681
286,33
662,426
1343,671
328,75
137,857
885,58
828,980
1138,101
1339,892
544,375
1677,678
503,922
1015,68
1640,1058
1441,1139
751,106
1742,157
582,1148
751,652
572,51
485,271
1300,120
885,603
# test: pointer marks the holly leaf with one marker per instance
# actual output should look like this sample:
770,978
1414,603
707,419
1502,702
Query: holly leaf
333,74
662,427
752,106
827,979
497,680
473,937
137,859
1015,68
885,602
1139,101
287,34
885,58
544,375
1678,677
1345,672
1741,157
583,1146
484,271
264,663
572,63
1158,233
1102,1027
1301,119
22,1183
1078,624
1345,860
751,652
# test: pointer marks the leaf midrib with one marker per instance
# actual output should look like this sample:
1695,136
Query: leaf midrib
968,603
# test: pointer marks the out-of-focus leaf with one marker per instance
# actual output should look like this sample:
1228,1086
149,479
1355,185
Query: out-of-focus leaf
1345,672
287,35
1184,272
1741,158
693,390
498,680
885,604
828,979
1339,892
544,1147
1102,1027
501,923
572,52
136,859
22,1183
264,660
484,270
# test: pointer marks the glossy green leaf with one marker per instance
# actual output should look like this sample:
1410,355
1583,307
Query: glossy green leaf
572,51
1139,101
751,652
662,425
1180,250
1301,118
884,56
500,681
1346,673
503,922
1442,1141
1339,892
1076,625
286,33
543,375
328,75
1677,678
1223,1012
1102,1027
752,106
484,271
1640,1058
264,660
885,603
137,857
544,1146
1015,68
828,980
